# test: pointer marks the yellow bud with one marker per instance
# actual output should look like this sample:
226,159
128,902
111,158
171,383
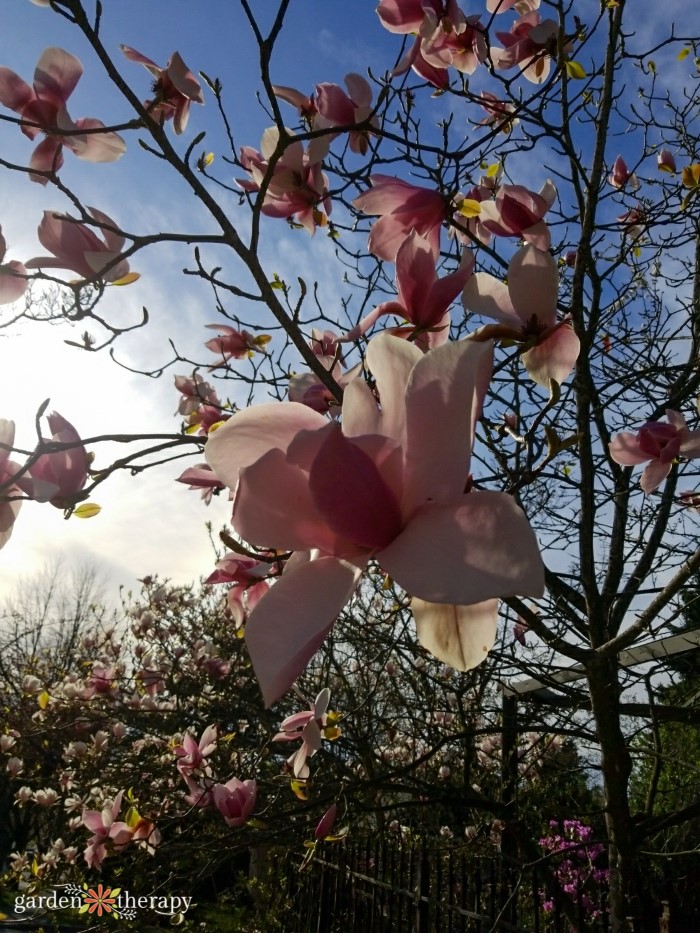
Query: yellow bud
87,510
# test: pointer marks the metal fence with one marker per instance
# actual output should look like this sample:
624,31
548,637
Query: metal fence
374,886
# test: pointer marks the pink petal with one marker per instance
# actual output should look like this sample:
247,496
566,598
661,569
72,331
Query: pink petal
452,381
114,241
135,56
391,361
98,147
12,286
465,551
56,75
273,507
47,157
654,474
334,105
15,93
485,295
361,414
183,79
533,283
461,636
288,626
554,357
249,434
690,445
538,235
359,89
415,272
351,495
625,450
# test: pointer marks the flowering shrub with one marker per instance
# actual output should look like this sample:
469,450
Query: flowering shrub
574,856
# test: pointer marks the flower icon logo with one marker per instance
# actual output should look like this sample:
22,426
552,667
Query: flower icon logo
100,900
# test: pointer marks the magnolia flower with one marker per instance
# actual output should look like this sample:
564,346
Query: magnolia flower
326,823
498,111
175,88
8,469
296,187
58,477
464,47
235,800
423,299
402,207
666,161
108,832
249,577
194,392
76,246
330,106
307,726
201,477
389,485
42,109
621,175
518,212
12,282
526,309
528,45
658,442
192,754
233,344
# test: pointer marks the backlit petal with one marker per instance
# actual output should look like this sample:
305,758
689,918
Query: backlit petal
461,636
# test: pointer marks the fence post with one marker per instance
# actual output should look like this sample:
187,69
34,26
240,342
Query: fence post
422,888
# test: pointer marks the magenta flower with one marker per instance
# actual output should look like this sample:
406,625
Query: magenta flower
109,835
249,577
297,188
336,108
389,485
526,309
8,510
42,109
201,477
463,47
235,800
195,392
58,477
12,282
666,161
527,45
407,16
327,822
519,212
192,755
499,111
307,726
423,298
402,207
233,344
76,246
175,88
621,175
658,442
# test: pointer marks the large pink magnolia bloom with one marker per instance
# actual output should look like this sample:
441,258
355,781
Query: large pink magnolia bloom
235,800
463,47
77,246
658,444
518,212
307,726
42,109
58,477
527,45
526,309
296,187
109,834
402,207
389,485
175,88
8,469
12,282
423,299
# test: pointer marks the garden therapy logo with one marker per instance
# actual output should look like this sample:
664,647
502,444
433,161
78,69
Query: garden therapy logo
100,901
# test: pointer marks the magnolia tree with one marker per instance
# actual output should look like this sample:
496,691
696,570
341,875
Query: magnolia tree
514,333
